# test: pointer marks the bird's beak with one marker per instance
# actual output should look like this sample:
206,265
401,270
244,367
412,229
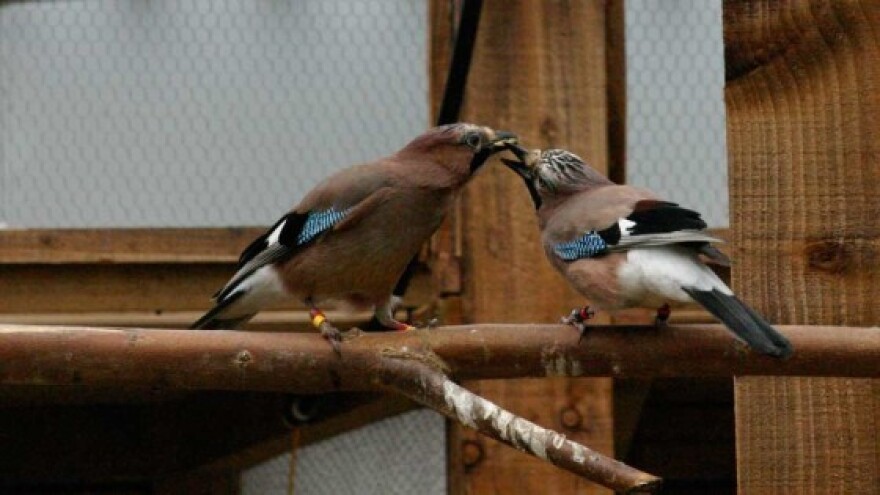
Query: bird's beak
522,165
502,140
499,142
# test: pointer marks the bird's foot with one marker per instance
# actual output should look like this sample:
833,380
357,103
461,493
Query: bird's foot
578,319
328,331
399,326
425,325
662,319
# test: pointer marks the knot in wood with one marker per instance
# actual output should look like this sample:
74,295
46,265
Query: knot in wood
243,358
829,256
570,418
472,454
549,130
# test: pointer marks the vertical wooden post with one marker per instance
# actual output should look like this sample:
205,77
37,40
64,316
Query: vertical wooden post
539,70
803,95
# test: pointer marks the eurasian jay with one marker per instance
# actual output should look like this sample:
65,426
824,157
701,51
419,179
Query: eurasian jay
622,247
351,237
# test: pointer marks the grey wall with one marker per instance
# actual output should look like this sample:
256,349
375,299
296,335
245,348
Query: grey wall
675,103
221,112
198,112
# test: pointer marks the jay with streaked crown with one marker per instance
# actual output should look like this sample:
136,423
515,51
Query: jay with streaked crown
621,247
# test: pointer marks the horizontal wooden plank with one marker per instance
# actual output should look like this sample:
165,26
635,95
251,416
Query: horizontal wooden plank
82,288
160,245
137,288
266,321
144,245
679,316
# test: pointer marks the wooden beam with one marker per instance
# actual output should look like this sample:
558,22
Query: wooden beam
134,288
265,321
803,93
538,69
159,245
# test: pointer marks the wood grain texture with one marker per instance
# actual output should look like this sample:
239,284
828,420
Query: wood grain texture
165,245
538,70
803,94
808,435
158,288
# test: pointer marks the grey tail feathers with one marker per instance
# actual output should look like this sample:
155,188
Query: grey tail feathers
743,321
212,321
714,254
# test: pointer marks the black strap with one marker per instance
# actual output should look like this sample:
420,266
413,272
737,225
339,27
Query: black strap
450,107
459,67
453,94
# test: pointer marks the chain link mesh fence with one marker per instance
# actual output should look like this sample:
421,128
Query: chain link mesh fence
223,112
676,141
198,112
402,455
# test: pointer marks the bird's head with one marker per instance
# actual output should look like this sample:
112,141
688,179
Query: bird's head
553,172
460,148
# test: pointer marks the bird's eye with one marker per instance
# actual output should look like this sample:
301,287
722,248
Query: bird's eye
473,140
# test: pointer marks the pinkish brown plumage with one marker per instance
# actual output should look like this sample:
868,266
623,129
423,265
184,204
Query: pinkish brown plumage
351,237
622,247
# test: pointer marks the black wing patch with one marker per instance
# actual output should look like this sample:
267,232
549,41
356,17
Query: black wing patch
655,217
652,217
290,232
283,240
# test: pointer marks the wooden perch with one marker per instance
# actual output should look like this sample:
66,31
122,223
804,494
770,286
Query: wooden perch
305,363
419,364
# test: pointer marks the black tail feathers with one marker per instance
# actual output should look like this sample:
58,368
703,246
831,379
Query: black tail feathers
743,321
210,323
212,320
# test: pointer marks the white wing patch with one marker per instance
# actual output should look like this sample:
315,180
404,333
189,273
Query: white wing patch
652,274
261,289
275,235
625,226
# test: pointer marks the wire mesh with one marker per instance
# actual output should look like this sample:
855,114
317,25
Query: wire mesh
676,141
198,112
402,455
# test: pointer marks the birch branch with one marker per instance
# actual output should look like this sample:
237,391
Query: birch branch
432,388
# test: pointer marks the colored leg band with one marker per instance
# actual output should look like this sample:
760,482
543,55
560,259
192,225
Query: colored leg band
317,318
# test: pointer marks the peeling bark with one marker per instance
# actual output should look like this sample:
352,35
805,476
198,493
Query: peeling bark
433,389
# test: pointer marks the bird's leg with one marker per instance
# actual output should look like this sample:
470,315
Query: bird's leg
328,331
578,319
662,318
385,315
